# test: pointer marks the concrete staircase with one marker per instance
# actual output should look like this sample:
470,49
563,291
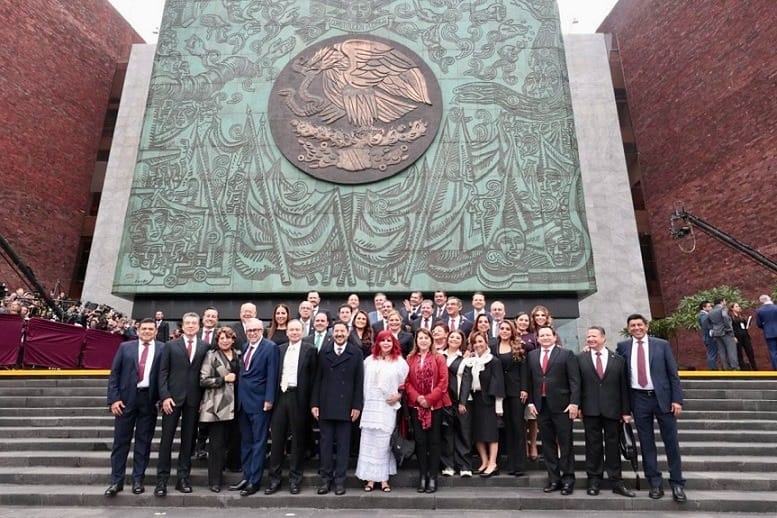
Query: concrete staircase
56,435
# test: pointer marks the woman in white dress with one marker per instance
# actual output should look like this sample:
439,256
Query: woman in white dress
384,372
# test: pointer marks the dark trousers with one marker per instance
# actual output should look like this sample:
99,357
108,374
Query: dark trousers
602,447
201,437
141,420
645,409
188,415
334,444
456,444
253,436
219,432
515,433
427,443
745,351
556,434
289,417
234,447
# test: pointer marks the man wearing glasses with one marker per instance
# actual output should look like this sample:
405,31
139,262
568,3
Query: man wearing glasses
256,395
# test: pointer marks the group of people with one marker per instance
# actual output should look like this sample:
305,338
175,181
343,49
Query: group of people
450,379
726,336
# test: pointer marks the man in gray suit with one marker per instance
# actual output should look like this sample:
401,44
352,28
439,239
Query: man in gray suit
722,332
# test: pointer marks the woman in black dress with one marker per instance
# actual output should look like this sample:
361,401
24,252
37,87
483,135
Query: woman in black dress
361,334
529,343
512,356
280,318
744,344
488,390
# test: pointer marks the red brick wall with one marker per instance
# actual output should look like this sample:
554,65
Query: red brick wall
57,61
701,79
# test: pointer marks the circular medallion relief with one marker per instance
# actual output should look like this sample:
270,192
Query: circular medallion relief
354,109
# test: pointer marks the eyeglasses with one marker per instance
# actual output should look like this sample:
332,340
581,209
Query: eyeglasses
259,330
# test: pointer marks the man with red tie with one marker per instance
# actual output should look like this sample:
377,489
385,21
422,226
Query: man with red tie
180,394
655,393
604,402
425,318
455,320
132,398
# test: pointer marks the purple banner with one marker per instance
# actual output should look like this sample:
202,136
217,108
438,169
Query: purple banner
99,349
52,344
10,338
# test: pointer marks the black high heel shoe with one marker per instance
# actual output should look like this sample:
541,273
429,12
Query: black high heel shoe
422,484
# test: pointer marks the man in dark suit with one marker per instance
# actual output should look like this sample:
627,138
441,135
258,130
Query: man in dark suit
247,312
337,400
162,327
478,307
454,318
255,398
425,318
298,361
766,319
320,336
705,307
554,381
604,403
132,397
180,393
305,312
382,323
655,393
722,331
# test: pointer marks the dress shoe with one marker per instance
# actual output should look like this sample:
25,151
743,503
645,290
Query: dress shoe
274,486
551,487
339,489
113,489
201,455
215,489
249,490
678,494
593,489
294,489
489,474
239,486
422,483
323,489
137,487
183,485
567,489
621,489
431,486
656,493
161,488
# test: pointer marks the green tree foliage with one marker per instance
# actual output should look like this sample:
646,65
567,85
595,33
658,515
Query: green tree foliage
688,308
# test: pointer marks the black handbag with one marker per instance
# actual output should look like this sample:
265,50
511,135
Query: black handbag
629,449
402,448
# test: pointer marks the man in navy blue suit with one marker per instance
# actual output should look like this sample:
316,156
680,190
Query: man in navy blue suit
255,397
766,319
655,393
132,397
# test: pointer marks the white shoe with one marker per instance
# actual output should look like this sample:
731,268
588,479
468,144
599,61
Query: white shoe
448,472
465,473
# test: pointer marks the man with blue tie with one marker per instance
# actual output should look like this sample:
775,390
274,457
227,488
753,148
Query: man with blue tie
132,397
255,398
655,393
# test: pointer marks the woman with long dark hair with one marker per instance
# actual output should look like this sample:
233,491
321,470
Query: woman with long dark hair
529,343
384,373
361,333
741,333
427,393
456,443
280,319
512,357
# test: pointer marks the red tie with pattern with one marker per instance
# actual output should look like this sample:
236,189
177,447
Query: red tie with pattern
599,367
207,335
189,349
545,358
142,362
247,361
641,367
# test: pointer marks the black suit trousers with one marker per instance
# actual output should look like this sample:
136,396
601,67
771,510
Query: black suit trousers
288,418
428,443
602,447
334,434
515,433
456,450
556,434
219,433
141,420
188,415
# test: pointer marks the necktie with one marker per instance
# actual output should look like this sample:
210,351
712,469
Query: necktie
426,323
641,367
189,349
247,361
599,367
451,324
207,335
142,362
339,350
318,341
545,358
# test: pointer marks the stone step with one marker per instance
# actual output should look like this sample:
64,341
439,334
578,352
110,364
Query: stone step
715,415
712,384
495,499
92,381
406,478
57,392
734,393
768,405
46,402
64,411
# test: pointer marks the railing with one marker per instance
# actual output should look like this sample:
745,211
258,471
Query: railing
42,343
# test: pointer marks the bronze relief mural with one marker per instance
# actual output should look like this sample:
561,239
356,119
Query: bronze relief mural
357,146
354,109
